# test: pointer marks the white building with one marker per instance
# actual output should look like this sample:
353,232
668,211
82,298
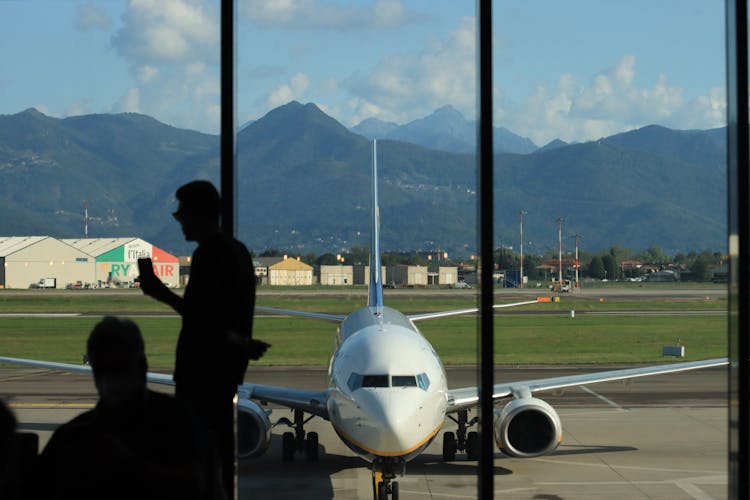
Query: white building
25,260
337,275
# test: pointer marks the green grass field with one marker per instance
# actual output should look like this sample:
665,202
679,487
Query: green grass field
534,337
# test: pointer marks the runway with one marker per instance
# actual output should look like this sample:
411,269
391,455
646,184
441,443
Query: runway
659,437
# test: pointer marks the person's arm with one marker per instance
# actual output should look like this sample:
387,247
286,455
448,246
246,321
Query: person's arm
154,287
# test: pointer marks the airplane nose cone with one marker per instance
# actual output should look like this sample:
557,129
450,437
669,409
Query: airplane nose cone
400,422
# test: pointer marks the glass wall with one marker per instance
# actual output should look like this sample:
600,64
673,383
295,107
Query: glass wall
609,201
623,209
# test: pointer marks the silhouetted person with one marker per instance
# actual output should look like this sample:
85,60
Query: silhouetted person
15,461
136,443
215,340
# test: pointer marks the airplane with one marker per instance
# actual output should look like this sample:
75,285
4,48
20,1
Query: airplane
388,395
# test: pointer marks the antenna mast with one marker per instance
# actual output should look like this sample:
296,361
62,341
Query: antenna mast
559,251
85,219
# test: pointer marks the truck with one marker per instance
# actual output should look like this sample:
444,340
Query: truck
45,283
565,286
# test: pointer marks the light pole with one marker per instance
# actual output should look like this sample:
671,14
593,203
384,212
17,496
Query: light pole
520,285
577,236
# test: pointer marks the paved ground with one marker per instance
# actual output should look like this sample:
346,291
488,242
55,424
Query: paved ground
658,437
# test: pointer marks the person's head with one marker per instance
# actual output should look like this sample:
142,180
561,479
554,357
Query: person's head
7,426
118,359
198,210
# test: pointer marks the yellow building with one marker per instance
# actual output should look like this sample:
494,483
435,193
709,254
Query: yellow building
290,272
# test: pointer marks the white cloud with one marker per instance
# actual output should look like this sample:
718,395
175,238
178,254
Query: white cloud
316,14
612,102
129,102
89,16
170,31
78,108
147,73
294,90
173,48
405,87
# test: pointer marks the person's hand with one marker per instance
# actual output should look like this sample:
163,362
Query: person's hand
152,286
256,348
149,283
253,348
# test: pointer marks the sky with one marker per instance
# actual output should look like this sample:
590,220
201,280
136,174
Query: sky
574,70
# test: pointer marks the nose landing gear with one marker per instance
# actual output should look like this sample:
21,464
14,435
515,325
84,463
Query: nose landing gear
383,475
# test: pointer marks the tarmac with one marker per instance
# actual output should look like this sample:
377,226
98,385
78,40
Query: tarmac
662,437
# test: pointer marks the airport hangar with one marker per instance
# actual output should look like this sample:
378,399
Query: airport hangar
37,261
27,261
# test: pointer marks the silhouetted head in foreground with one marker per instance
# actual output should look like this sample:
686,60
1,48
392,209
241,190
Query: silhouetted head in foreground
198,211
118,359
7,425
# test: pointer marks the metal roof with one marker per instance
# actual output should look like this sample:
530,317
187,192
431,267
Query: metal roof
97,246
12,244
290,265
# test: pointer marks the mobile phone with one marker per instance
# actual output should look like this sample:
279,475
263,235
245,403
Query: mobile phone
145,267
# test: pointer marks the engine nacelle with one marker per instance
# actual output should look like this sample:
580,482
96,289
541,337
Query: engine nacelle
527,427
253,429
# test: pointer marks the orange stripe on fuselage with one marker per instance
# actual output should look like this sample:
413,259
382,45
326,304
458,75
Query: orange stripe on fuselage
388,453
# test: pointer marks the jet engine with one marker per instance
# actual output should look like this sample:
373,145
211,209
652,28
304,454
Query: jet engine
253,429
527,427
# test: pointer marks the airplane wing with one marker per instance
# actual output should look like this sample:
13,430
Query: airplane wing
157,378
313,402
456,312
461,399
338,318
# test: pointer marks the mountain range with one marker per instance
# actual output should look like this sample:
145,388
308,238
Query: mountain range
303,184
444,130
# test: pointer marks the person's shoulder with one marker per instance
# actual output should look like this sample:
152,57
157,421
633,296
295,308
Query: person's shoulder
77,426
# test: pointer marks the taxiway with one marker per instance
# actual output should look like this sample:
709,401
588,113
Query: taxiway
655,437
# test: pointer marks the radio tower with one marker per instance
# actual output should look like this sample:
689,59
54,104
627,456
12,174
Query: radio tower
85,219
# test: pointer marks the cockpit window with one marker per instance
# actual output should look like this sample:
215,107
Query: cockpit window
375,381
404,381
423,381
357,381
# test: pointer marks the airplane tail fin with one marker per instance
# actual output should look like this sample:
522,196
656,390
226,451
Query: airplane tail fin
375,292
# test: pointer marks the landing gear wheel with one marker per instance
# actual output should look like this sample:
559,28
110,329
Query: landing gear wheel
382,491
288,447
449,447
311,446
472,446
394,490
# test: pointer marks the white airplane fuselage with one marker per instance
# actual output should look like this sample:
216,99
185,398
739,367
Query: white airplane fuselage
388,388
